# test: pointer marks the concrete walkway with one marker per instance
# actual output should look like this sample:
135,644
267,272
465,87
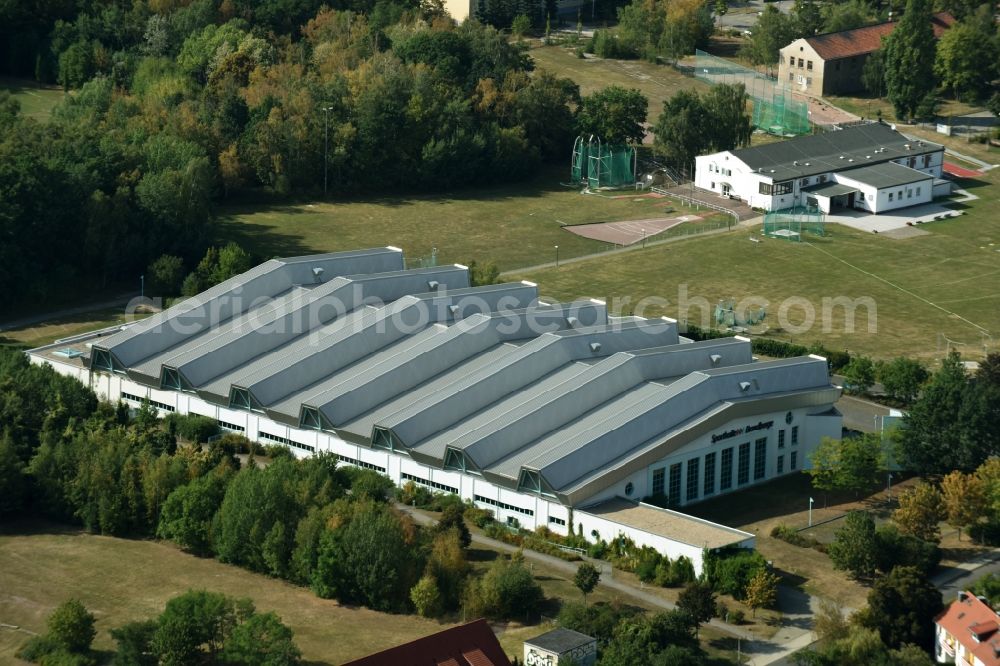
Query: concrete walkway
797,607
118,301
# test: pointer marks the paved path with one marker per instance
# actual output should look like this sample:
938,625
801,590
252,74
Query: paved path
954,579
117,301
797,607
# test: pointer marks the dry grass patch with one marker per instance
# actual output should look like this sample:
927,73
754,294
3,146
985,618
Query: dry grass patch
122,580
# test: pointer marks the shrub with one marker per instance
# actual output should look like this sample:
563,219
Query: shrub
730,571
165,275
192,427
736,616
72,627
413,495
646,568
721,610
37,648
597,550
478,517
790,535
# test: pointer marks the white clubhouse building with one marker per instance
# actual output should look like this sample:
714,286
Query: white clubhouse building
869,167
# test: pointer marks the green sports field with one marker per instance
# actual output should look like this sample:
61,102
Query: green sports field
513,225
36,100
945,283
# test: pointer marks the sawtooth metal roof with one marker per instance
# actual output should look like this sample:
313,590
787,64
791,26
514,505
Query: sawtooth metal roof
438,369
237,294
836,150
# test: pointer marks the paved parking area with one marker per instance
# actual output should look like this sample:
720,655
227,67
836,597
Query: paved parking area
696,194
885,222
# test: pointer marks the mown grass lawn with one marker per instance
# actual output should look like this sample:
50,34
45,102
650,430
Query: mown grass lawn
56,328
921,287
122,580
36,100
514,225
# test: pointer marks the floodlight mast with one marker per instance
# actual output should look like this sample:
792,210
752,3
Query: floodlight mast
326,146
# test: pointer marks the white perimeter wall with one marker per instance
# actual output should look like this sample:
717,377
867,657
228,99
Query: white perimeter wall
531,511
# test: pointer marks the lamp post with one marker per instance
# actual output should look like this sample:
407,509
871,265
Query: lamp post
644,239
142,286
326,145
810,512
557,256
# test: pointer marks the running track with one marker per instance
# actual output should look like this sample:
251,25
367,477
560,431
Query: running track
961,172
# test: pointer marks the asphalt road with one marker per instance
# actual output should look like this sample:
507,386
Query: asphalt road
743,16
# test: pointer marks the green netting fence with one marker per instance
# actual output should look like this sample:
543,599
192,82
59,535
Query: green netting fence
775,109
602,165
791,223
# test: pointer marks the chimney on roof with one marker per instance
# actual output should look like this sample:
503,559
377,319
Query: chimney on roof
962,595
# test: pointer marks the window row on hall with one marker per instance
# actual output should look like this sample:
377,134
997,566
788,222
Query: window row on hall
703,477
130,397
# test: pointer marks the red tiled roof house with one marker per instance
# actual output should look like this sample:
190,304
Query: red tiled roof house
472,644
968,633
831,63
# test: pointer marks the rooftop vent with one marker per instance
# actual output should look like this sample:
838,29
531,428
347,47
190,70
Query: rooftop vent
318,273
841,157
772,170
744,386
715,358
808,164
453,309
433,285
595,347
572,322
795,162
850,159
868,157
906,145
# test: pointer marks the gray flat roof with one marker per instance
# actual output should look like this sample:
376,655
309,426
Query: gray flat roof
888,174
829,189
510,385
560,640
669,524
832,151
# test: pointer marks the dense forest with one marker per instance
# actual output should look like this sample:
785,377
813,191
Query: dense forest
175,106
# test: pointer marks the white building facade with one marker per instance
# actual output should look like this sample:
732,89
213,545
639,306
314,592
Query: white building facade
797,172
468,398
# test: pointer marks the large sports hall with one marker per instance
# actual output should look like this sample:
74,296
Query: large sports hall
549,414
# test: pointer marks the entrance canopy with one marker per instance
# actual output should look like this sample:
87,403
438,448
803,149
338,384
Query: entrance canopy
828,190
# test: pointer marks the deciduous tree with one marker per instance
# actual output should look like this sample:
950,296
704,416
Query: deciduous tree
854,547
909,59
920,511
586,579
964,498
901,607
615,114
762,591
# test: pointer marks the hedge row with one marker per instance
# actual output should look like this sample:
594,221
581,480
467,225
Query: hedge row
776,348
